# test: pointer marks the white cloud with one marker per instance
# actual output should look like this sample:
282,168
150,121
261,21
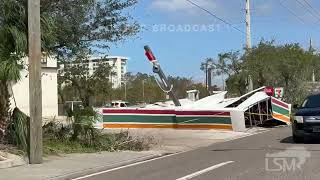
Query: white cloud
181,5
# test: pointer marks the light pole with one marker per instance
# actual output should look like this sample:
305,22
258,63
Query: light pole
125,90
143,90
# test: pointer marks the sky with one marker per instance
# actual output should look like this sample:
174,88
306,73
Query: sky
182,35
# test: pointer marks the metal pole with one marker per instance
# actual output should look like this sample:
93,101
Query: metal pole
223,88
267,109
250,117
35,94
157,69
259,107
168,88
207,76
143,90
125,90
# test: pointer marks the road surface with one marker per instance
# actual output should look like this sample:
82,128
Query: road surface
265,156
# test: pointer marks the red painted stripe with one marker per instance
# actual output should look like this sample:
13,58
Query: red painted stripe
275,101
152,111
138,111
197,113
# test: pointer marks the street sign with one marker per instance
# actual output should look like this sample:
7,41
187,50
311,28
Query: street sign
278,92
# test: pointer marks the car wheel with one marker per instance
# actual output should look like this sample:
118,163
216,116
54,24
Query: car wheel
297,139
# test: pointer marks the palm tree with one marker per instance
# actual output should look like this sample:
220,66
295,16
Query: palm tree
13,47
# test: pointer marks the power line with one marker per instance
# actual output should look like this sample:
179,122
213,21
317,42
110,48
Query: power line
315,10
215,16
312,13
294,14
291,12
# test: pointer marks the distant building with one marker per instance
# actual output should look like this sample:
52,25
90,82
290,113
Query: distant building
49,88
118,66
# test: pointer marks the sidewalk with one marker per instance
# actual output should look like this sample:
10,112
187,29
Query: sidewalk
75,165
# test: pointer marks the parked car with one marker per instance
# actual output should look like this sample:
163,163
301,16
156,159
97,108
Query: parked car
306,120
118,104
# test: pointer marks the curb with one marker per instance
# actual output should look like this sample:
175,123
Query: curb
8,160
5,163
84,172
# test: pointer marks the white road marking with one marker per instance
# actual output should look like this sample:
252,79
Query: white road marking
121,167
141,162
190,176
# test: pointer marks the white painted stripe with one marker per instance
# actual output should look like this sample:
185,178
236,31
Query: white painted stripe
191,120
190,176
122,167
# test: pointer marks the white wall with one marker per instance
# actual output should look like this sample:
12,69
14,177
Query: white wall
49,92
238,120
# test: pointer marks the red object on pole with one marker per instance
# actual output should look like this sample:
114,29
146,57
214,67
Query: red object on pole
269,91
149,54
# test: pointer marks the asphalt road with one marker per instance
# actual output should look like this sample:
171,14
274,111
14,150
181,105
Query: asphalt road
246,158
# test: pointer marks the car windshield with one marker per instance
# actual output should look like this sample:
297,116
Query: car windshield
311,102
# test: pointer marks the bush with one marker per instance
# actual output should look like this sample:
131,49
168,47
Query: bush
81,136
18,130
76,136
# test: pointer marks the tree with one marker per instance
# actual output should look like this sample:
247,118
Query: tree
69,28
181,85
231,64
88,85
13,47
152,92
288,66
88,24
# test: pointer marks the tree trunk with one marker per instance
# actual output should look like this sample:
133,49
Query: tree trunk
4,108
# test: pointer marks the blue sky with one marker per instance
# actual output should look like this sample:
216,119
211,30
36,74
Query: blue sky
181,50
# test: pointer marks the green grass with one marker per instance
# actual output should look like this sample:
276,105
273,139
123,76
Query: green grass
105,142
54,147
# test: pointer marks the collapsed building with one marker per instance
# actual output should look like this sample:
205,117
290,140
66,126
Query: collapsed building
212,112
255,108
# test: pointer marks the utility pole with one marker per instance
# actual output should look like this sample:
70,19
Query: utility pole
248,39
248,25
35,94
311,50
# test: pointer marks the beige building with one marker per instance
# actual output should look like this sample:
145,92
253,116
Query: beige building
49,89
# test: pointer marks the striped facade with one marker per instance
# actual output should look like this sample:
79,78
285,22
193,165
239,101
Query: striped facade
280,110
150,118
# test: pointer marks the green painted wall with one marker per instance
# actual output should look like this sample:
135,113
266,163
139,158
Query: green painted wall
164,119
